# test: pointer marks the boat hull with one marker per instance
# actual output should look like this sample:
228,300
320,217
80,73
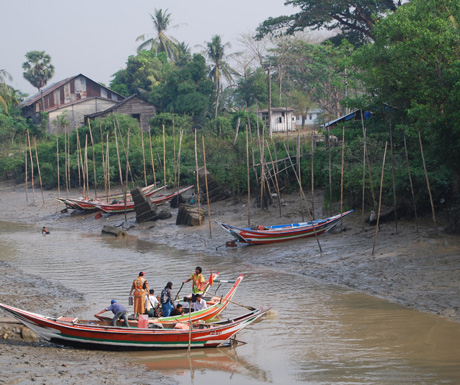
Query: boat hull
282,233
121,338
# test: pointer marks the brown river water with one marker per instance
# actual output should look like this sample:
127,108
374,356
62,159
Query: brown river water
315,334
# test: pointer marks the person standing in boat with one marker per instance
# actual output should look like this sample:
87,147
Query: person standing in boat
118,310
198,285
140,288
167,304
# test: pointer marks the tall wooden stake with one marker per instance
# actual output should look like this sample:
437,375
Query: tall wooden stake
330,164
207,191
119,161
38,169
181,133
86,164
126,173
143,156
380,199
174,150
393,176
164,158
249,181
94,159
197,180
151,159
31,167
57,162
427,180
25,168
305,200
80,162
103,161
276,178
341,178
364,169
410,180
312,157
108,164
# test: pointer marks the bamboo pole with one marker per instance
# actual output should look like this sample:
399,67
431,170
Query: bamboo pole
119,161
380,199
341,178
126,173
57,162
312,157
410,180
207,191
330,164
38,169
25,168
197,181
181,133
364,169
143,156
276,179
103,161
164,158
249,181
189,325
174,150
66,163
124,150
427,180
305,200
108,164
151,159
393,176
94,159
86,164
31,167
80,163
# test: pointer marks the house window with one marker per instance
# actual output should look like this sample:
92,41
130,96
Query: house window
103,93
311,117
280,119
136,116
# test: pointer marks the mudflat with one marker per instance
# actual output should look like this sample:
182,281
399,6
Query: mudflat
419,269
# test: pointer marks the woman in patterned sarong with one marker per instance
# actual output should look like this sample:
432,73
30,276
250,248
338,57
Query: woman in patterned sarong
140,288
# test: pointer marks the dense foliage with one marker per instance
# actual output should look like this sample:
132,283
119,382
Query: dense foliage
406,80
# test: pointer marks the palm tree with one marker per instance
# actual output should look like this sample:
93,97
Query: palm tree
38,69
215,52
5,90
160,42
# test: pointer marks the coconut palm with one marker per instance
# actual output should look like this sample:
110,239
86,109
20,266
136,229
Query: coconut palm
220,69
160,42
6,92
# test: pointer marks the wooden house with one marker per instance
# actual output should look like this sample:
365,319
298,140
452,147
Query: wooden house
283,119
133,106
75,97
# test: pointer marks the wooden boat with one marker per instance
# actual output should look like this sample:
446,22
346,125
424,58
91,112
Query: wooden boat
216,306
92,335
115,208
280,233
90,204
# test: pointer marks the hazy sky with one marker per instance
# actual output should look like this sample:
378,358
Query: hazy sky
95,37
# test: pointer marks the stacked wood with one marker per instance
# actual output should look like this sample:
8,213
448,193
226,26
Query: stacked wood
215,191
112,230
190,216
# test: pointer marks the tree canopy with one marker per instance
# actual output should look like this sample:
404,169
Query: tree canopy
355,19
38,68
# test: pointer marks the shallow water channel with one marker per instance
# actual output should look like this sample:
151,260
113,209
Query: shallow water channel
315,334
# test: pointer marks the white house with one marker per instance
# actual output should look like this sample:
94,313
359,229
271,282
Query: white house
283,119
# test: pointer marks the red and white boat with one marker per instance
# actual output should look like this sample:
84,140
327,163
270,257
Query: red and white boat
120,207
94,335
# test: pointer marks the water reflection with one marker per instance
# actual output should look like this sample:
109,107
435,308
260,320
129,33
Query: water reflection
224,361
